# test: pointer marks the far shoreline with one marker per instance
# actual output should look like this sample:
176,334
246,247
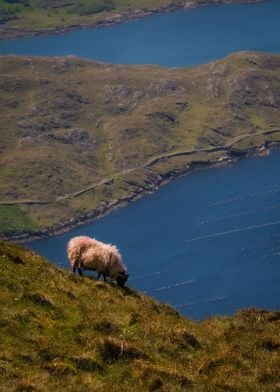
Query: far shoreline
107,208
8,32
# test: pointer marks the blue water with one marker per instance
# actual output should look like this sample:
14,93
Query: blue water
182,38
209,242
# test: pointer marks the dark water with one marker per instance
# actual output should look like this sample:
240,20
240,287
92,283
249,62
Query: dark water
209,242
182,38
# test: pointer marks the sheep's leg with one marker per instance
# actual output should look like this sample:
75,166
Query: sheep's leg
74,270
80,271
101,273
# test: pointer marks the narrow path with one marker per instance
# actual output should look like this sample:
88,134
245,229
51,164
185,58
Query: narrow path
150,162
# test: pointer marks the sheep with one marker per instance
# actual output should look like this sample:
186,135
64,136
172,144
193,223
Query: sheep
89,254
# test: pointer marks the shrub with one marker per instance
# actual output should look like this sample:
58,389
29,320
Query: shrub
89,9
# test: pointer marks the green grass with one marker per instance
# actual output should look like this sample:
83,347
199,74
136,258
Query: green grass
14,220
71,333
76,133
30,15
90,8
9,10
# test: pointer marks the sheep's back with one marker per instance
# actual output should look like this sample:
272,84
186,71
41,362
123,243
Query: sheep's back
96,259
76,246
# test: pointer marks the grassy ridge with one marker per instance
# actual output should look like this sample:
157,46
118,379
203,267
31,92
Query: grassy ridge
26,16
70,333
76,134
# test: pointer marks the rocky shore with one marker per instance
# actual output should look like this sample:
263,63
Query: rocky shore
9,32
156,182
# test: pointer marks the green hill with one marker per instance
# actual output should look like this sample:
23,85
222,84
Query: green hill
79,138
69,333
24,17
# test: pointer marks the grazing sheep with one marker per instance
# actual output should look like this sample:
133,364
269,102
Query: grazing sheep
90,254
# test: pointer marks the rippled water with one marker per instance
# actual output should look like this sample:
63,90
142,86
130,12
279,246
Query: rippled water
208,243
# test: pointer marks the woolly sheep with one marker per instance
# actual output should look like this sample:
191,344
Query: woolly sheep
89,254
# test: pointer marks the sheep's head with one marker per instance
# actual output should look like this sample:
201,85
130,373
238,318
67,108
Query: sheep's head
121,278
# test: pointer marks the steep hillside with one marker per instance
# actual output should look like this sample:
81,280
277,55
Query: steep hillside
79,137
28,17
70,333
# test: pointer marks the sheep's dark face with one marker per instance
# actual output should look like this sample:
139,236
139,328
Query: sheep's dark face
121,278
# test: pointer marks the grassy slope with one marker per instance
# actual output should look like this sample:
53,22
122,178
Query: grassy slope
76,133
31,15
70,333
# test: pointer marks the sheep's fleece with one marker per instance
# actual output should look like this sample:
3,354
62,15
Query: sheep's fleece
88,253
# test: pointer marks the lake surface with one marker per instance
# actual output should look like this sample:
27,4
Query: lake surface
176,39
208,243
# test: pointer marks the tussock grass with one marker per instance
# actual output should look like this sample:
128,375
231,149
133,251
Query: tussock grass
71,333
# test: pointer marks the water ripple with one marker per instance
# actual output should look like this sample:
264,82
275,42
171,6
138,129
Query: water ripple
205,301
205,237
245,197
